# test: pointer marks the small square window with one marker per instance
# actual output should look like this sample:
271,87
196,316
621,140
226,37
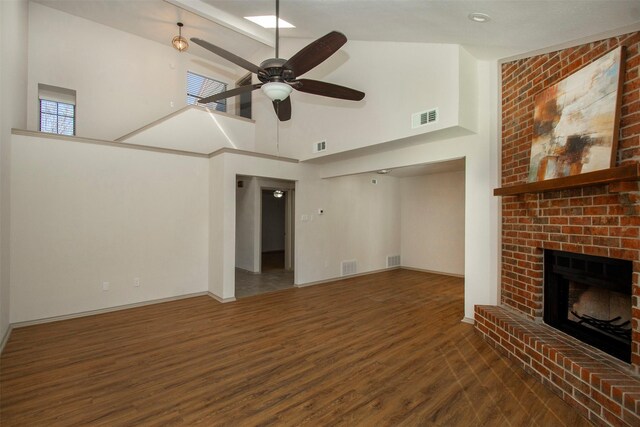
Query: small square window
57,109
57,117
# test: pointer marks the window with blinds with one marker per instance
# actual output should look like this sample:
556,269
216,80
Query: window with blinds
57,110
199,87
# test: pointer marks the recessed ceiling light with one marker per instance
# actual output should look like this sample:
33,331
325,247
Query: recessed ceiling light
383,171
269,21
479,17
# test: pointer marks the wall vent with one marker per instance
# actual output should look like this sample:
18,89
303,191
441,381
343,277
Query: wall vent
424,118
319,146
393,261
349,267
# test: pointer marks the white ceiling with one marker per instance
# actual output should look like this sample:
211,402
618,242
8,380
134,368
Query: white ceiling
428,169
517,26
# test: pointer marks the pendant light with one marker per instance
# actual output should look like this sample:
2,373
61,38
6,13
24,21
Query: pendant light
179,42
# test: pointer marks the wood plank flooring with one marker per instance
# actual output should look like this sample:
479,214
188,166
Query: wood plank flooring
384,349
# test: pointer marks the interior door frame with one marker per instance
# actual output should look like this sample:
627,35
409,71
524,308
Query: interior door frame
289,229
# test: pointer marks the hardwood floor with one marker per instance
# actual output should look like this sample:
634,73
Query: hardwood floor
384,349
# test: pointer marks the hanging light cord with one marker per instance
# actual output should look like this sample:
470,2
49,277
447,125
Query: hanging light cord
278,138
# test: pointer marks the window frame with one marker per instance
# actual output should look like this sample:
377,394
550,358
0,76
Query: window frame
212,105
57,116
242,109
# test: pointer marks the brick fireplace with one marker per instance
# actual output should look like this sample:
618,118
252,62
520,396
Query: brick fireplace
597,220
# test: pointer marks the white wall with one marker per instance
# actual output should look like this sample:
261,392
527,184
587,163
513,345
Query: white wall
83,214
122,81
399,79
429,75
481,176
221,193
361,222
365,227
247,225
198,130
222,241
432,222
14,26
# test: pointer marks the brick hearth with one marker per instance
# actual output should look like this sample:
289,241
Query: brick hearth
592,220
599,386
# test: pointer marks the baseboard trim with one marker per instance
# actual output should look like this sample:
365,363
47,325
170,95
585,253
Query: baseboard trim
5,339
335,279
460,276
468,320
221,300
338,278
104,310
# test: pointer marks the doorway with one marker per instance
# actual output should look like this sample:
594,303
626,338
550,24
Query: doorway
273,230
265,239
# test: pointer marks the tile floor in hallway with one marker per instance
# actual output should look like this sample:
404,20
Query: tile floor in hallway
274,277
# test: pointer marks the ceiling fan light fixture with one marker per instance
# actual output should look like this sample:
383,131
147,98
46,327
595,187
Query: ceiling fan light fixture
276,91
179,42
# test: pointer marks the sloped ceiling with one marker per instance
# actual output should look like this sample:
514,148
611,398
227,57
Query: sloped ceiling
516,26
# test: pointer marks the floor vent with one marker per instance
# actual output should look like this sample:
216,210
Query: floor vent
349,267
424,118
393,261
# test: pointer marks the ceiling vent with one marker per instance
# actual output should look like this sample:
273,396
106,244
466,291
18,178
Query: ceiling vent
319,146
424,118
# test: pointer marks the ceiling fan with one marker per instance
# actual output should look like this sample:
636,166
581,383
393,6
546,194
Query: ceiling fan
279,76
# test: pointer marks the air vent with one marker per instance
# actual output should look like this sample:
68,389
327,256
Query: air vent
424,118
349,267
319,146
393,261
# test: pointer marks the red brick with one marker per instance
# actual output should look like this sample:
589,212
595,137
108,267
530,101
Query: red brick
606,402
631,418
599,220
587,401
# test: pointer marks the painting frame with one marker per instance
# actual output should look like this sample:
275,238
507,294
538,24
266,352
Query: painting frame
576,121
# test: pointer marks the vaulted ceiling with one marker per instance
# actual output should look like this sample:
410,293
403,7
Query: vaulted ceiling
516,26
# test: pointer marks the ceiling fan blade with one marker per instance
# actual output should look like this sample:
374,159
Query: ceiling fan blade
283,109
228,56
327,89
229,93
315,53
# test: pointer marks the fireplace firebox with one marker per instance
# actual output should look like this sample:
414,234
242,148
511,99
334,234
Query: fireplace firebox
589,298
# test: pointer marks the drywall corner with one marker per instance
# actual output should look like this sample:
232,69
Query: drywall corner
14,26
467,91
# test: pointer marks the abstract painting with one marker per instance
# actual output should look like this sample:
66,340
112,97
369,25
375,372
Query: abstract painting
575,121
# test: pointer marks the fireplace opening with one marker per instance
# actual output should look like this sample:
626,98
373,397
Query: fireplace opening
589,298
